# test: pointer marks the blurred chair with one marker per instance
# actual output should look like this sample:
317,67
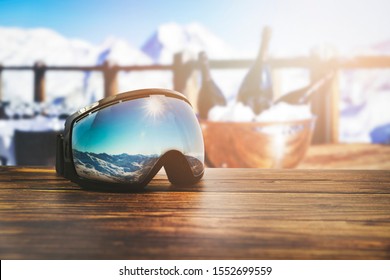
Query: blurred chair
35,148
3,160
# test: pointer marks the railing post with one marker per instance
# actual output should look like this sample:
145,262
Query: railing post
178,83
39,81
325,104
110,79
181,72
334,90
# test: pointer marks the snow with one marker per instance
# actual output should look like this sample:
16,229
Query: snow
120,52
233,112
27,46
108,172
172,38
237,112
363,104
285,112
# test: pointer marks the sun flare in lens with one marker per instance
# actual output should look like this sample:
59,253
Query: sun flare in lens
154,107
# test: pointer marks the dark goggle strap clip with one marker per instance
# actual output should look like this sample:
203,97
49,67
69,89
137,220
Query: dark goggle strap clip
60,155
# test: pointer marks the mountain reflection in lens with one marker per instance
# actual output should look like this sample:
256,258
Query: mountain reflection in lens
121,143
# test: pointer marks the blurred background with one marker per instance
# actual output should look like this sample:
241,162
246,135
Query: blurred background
275,84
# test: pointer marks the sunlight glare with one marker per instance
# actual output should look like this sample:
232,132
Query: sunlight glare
154,106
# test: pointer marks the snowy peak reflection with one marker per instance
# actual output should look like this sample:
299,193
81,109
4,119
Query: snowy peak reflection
113,168
121,168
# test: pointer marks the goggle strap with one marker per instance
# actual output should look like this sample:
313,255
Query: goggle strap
60,155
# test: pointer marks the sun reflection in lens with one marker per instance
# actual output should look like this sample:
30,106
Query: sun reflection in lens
154,106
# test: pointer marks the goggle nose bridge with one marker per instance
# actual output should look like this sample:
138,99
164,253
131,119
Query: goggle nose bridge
177,168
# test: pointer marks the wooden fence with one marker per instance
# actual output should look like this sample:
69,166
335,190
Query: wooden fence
325,107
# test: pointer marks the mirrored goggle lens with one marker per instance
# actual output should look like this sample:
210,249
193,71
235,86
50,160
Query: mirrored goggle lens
121,143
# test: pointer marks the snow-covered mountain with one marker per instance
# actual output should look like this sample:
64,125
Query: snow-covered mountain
122,168
113,168
20,46
190,39
171,38
120,52
27,46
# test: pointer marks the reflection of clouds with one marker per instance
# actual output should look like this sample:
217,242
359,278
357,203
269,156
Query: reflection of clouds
198,155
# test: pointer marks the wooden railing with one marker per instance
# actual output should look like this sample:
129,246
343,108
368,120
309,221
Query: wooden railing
108,70
325,107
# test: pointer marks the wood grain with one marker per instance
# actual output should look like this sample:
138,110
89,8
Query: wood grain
231,214
347,156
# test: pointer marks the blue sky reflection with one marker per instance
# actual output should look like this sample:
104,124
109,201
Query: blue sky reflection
147,126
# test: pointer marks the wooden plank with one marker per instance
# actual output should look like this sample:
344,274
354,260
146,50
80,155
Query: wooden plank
286,62
235,214
152,67
11,173
347,156
365,62
226,185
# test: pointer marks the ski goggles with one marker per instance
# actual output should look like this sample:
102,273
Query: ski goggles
122,141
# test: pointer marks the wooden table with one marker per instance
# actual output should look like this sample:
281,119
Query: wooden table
347,156
231,214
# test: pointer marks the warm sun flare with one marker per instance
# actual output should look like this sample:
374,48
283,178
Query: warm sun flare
154,107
